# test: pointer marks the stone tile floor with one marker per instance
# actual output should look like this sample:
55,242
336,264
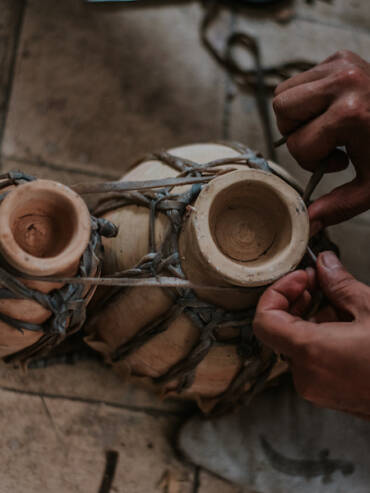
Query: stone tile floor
84,89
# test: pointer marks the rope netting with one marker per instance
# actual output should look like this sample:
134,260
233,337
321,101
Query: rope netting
160,267
67,304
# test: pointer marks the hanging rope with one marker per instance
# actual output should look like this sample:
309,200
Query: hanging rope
259,80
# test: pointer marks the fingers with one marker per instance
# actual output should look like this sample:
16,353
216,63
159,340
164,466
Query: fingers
325,315
315,141
344,292
336,161
303,113
311,279
344,56
301,103
274,324
316,73
340,204
301,305
280,331
329,66
284,292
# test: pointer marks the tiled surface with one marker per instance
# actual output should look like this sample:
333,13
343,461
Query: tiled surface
96,87
89,381
9,21
279,43
209,483
344,13
57,445
67,176
353,240
93,87
49,172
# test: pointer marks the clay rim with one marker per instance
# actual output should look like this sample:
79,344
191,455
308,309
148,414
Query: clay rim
240,273
79,218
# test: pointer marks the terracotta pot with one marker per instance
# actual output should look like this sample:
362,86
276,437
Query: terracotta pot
246,229
44,229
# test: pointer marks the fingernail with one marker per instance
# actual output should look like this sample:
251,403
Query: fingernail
315,227
329,260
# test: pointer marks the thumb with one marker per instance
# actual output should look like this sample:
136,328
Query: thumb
340,287
273,324
340,204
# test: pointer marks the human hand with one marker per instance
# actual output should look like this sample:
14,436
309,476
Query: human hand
319,110
330,353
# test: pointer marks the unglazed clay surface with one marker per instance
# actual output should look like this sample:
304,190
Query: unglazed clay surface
244,233
44,227
44,230
236,234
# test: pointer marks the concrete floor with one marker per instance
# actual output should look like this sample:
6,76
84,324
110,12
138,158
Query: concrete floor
84,90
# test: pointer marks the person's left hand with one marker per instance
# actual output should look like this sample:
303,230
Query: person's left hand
330,353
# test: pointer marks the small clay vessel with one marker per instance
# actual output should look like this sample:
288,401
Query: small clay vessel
45,228
245,229
248,228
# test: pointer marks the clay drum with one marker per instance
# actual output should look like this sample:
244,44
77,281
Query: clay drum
232,236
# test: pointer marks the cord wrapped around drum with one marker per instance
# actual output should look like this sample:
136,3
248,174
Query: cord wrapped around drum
63,308
162,267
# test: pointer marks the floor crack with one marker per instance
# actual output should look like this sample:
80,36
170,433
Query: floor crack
145,409
11,71
52,422
75,170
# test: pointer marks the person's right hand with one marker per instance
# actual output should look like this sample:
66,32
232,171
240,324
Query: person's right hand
319,110
329,353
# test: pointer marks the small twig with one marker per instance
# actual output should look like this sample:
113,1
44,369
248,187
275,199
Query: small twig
111,460
314,181
129,186
280,142
312,256
159,281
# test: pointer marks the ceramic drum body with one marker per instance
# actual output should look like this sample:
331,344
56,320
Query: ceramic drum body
244,229
45,229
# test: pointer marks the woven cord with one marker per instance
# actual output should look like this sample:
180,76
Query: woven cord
164,259
67,304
